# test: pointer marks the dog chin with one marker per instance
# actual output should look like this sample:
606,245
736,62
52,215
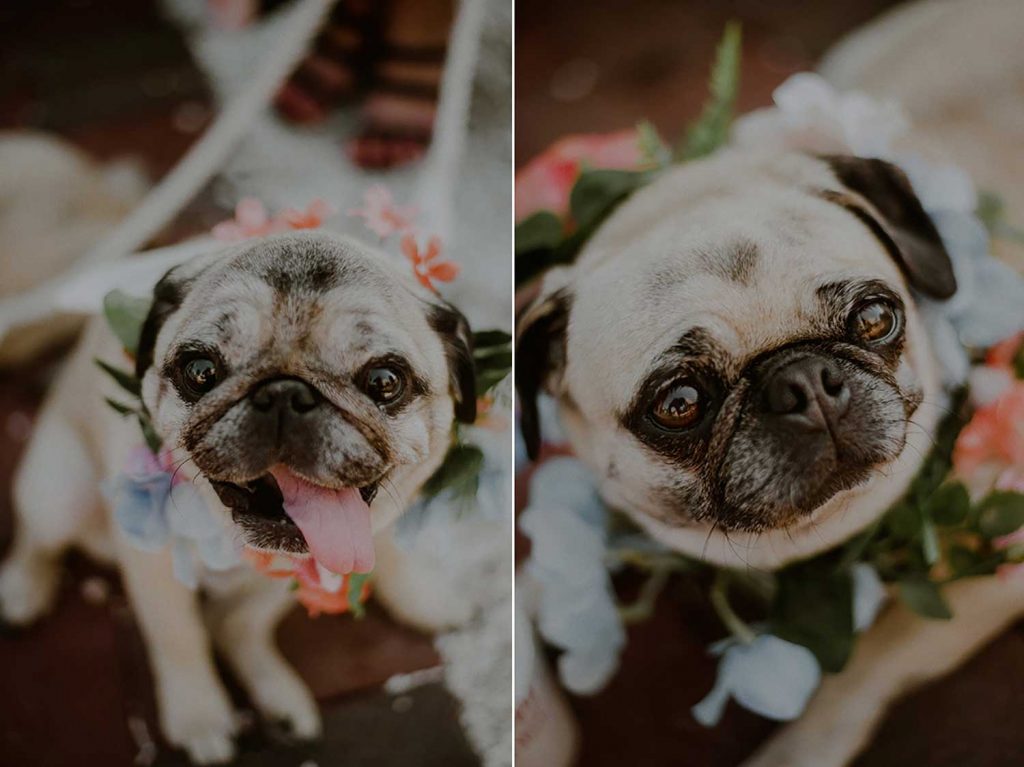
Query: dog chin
257,509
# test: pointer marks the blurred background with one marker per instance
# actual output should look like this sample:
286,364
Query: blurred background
116,79
601,66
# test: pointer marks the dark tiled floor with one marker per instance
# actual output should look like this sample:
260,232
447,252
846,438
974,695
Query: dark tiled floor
116,79
604,65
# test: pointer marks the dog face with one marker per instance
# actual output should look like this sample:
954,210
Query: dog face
738,346
309,355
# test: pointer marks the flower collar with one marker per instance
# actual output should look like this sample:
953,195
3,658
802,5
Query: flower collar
963,514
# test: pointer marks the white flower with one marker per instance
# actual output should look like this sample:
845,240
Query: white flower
869,595
576,608
940,186
769,676
812,116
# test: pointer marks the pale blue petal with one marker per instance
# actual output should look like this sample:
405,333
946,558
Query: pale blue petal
567,483
771,677
587,672
869,595
139,509
218,553
189,514
183,561
709,710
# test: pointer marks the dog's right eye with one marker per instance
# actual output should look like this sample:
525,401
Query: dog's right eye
680,405
385,385
199,375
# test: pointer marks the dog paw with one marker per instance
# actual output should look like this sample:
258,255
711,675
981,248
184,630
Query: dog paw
287,700
199,720
26,590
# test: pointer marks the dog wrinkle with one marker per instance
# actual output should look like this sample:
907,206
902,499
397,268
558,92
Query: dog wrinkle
733,262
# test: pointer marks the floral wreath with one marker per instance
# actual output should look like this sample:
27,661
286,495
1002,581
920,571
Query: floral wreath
963,514
156,507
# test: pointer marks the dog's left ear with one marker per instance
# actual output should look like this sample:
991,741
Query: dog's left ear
452,326
167,297
905,228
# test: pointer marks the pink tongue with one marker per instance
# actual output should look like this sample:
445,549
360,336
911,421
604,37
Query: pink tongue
335,523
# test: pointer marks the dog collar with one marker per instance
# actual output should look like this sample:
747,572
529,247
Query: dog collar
962,514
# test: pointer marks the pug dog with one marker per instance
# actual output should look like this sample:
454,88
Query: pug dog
308,386
739,356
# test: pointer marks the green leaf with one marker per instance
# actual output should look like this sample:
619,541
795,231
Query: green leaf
1001,513
596,193
925,598
949,504
495,360
355,593
120,407
126,314
126,381
485,339
539,232
903,521
153,441
459,471
488,379
652,146
814,608
711,129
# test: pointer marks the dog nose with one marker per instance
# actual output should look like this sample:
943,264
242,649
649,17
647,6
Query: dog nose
280,393
810,391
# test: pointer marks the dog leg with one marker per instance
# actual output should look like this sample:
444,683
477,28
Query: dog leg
194,710
55,497
901,651
243,625
417,588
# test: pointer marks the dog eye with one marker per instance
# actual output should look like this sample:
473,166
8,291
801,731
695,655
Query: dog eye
384,385
199,375
681,405
877,322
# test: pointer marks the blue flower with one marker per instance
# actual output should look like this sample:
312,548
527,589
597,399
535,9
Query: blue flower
153,511
576,609
769,676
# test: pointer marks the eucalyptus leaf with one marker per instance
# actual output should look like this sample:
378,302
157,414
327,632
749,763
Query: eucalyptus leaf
949,504
500,359
485,339
126,314
488,379
924,597
540,232
153,441
126,381
814,608
652,146
459,470
120,407
596,193
356,581
711,130
1001,513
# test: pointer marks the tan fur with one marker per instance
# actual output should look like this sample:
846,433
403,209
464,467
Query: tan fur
86,442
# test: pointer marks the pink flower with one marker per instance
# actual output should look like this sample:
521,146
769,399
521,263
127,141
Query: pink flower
546,181
425,263
232,14
311,218
251,220
381,215
995,434
1001,355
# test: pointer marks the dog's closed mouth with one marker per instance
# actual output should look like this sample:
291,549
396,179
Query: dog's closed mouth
258,508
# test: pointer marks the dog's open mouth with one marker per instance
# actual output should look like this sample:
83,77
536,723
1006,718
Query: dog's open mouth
282,512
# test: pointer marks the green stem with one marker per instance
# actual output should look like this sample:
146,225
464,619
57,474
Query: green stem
643,607
720,601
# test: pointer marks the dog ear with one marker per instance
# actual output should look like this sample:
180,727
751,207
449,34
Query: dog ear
540,358
905,228
452,326
167,297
